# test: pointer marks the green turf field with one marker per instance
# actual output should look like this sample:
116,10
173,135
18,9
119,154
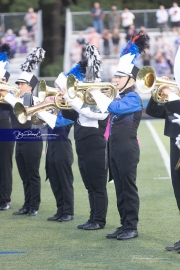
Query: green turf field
61,246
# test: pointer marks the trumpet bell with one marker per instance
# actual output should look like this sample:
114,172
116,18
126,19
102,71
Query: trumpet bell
42,91
20,113
46,91
146,79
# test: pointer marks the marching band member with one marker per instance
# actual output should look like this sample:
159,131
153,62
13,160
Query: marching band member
89,127
6,148
59,160
169,111
28,153
125,115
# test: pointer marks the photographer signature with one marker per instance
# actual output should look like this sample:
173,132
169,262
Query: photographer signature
29,133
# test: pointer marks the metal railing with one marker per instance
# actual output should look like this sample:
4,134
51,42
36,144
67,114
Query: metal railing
146,18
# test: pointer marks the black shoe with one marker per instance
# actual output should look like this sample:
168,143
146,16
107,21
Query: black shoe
32,212
92,226
115,234
5,206
175,247
81,226
125,235
54,218
21,211
65,217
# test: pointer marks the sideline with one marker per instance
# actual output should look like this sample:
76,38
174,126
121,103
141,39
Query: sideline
160,145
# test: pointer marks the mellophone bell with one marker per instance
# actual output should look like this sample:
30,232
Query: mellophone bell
147,81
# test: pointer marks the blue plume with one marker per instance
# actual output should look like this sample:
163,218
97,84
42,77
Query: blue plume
77,72
131,48
4,57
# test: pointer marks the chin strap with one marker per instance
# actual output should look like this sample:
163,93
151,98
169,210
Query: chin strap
122,89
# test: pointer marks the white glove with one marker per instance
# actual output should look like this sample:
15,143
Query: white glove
61,81
178,141
101,100
92,115
176,120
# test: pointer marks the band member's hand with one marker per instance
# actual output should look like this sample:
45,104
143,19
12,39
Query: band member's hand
49,99
166,91
176,120
63,91
3,93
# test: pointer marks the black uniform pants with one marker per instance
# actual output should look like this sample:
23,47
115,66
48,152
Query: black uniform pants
123,164
92,161
175,174
28,156
6,153
59,160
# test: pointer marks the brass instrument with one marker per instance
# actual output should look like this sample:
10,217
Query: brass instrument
9,88
75,88
22,113
47,91
147,80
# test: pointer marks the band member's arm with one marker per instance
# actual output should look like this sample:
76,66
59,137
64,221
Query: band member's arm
77,104
128,104
155,110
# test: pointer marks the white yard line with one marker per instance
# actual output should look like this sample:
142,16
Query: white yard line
160,145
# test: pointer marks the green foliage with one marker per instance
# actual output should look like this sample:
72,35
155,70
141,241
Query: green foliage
22,6
52,69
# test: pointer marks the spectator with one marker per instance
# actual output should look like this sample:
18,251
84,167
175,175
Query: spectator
76,53
130,32
81,40
115,40
23,33
98,16
114,19
32,34
23,47
10,38
143,29
127,19
162,18
30,19
1,32
162,67
174,13
177,42
93,37
146,57
106,38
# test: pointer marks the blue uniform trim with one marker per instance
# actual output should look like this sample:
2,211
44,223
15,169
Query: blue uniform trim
130,103
61,121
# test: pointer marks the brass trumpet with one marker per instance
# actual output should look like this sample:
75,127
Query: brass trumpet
147,80
22,113
75,88
47,91
9,88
